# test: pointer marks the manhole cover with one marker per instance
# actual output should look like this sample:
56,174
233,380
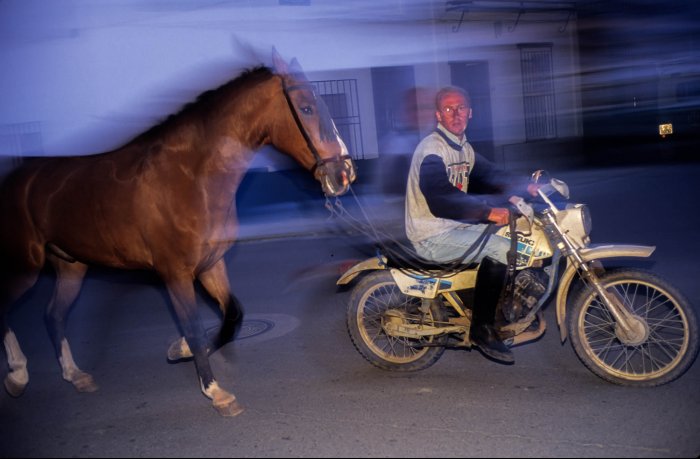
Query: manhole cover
270,326
254,327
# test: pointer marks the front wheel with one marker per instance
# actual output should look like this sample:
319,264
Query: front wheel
666,339
376,299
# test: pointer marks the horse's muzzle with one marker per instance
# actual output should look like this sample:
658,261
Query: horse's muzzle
336,175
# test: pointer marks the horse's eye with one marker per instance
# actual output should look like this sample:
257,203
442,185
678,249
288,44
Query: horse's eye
307,110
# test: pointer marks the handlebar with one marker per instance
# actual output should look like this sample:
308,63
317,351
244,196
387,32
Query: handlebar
544,191
523,207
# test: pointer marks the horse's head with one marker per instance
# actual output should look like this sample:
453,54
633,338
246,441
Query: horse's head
308,133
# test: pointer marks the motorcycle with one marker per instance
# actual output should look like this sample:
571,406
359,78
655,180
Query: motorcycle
629,326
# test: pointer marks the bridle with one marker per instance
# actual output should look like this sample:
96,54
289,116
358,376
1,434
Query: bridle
320,162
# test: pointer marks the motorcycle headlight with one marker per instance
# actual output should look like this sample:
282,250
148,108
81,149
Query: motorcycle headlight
576,222
586,219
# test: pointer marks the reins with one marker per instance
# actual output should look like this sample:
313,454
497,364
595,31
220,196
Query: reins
405,256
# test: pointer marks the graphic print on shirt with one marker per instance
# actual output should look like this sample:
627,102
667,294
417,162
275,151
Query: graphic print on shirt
459,175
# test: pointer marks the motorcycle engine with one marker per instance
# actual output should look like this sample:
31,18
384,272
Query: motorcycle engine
529,287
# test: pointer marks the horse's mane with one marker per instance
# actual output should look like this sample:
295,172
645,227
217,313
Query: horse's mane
210,96
208,99
207,102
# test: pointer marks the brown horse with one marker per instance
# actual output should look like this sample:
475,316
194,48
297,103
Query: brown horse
163,202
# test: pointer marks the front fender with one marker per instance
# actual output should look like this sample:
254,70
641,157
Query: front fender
372,264
588,255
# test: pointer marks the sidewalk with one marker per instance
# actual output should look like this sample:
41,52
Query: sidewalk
312,219
290,203
307,217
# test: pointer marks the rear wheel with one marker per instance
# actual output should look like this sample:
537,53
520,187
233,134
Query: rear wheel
664,341
377,299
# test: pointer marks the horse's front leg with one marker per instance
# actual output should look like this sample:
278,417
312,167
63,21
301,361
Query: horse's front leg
69,280
182,294
215,282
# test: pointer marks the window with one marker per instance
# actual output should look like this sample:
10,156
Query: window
538,91
341,98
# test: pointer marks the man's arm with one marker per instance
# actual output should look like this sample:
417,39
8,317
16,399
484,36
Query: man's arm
487,178
446,201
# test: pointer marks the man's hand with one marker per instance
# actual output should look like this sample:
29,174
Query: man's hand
499,216
533,187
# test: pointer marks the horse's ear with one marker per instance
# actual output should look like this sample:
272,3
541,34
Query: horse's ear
295,67
280,65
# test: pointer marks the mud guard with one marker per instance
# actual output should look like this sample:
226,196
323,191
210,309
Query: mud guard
372,264
588,255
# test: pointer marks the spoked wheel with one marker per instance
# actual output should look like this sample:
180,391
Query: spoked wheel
662,343
376,300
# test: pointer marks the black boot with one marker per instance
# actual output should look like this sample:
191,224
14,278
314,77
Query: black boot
489,283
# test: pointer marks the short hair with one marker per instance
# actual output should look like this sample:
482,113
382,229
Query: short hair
452,90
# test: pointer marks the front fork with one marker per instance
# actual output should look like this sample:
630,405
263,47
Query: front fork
629,327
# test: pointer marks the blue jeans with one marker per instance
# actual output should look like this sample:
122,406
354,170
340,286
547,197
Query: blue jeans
453,244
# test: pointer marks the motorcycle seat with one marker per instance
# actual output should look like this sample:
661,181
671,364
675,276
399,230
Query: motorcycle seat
402,256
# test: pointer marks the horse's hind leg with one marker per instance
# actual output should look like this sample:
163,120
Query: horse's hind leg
18,377
181,290
215,282
69,279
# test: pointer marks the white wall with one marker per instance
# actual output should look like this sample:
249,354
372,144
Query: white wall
94,74
479,41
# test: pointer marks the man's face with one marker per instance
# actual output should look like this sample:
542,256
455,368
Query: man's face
454,113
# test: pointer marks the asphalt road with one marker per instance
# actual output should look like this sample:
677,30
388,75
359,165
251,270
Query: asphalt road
308,393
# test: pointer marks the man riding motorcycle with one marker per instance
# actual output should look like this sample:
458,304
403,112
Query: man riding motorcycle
445,218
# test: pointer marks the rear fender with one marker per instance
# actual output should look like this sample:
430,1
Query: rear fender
372,264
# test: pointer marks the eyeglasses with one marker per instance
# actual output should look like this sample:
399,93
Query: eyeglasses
458,109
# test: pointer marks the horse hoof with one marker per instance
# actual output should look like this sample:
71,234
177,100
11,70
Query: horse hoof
14,388
230,409
84,383
179,351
